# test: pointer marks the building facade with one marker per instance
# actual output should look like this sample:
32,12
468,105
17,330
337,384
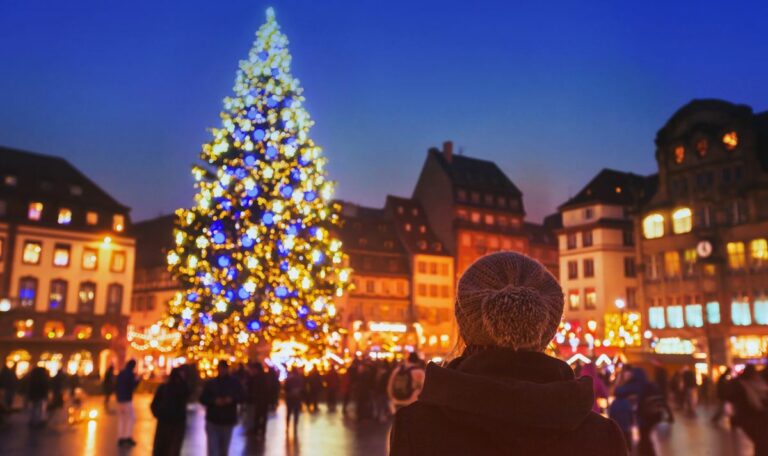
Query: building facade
703,242
66,271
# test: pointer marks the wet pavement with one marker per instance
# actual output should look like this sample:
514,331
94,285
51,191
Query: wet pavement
321,434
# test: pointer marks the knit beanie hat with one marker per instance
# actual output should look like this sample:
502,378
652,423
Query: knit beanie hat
508,300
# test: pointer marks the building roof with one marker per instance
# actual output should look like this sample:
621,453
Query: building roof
614,187
154,238
671,128
412,226
476,174
540,234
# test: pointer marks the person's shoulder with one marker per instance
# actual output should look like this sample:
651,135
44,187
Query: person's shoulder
596,426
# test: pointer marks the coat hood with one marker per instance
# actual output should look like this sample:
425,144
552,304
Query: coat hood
501,387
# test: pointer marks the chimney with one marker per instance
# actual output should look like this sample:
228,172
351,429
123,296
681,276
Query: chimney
448,151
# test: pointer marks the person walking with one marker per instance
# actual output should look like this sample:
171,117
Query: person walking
258,398
126,384
108,384
37,394
293,389
662,382
405,382
690,391
169,407
57,390
220,397
503,395
650,407
721,393
8,383
332,384
621,410
749,395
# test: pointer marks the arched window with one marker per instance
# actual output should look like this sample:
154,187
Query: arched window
653,226
682,220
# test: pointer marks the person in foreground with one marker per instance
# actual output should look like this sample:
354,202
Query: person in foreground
503,395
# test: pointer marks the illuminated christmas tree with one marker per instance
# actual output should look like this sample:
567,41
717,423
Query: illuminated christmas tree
254,256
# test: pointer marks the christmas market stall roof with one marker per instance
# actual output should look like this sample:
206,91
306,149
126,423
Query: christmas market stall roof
154,238
29,176
614,187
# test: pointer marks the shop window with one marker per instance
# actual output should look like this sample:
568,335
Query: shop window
109,332
32,252
61,254
656,318
53,329
90,259
761,311
65,216
83,332
114,299
713,312
21,360
736,255
86,298
574,298
27,291
590,298
740,314
672,264
653,226
57,297
117,263
80,363
758,252
23,328
675,316
35,210
694,316
682,220
52,362
489,220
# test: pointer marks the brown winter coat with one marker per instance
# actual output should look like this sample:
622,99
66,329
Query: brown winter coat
500,402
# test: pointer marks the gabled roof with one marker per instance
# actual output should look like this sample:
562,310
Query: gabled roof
53,178
614,187
420,239
475,174
154,238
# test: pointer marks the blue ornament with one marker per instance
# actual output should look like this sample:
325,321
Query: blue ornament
252,113
229,294
275,72
288,102
303,311
238,135
226,205
246,241
242,293
268,218
263,55
310,196
186,321
281,291
240,173
231,274
287,191
295,174
254,325
250,160
216,226
192,297
205,318
271,152
313,231
224,261
271,102
258,134
253,193
219,238
319,258
284,266
216,288
311,325
292,230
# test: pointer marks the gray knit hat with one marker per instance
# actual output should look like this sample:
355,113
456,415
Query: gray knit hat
509,300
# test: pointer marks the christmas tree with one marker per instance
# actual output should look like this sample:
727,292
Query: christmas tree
255,256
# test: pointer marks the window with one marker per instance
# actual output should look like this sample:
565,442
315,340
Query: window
61,254
445,291
758,252
736,255
86,298
76,190
694,316
672,264
704,180
738,212
629,267
475,197
35,210
433,268
689,257
761,311
90,259
462,214
679,154
653,226
421,267
656,318
91,218
589,267
114,299
444,269
488,198
23,328
466,240
475,217
109,332
27,291
10,180
502,201
422,229
461,195
654,267
627,238
150,303
65,216
433,290
586,238
573,299
53,329
730,140
590,298
83,331
713,312
32,252
702,146
57,297
682,220
571,241
421,289
588,213
706,216
573,270
489,219
631,298
370,286
675,316
740,315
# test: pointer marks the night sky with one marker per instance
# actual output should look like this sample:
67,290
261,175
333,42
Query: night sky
553,93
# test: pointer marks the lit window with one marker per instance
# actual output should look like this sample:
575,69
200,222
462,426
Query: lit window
83,331
713,312
90,259
475,217
689,256
86,298
32,252
573,299
27,291
57,297
761,311
653,226
109,332
53,329
758,251
675,316
114,299
672,263
731,140
736,256
682,220
23,328
694,316
590,298
702,146
35,210
118,262
118,223
740,314
488,219
656,318
92,218
679,154
10,180
61,255
65,216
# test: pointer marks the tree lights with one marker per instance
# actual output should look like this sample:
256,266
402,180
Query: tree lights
254,256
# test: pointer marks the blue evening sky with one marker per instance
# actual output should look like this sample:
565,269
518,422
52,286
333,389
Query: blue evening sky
551,91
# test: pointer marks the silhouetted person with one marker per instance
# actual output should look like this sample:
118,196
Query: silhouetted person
108,384
749,394
332,383
8,383
294,389
220,397
57,390
169,407
259,398
721,393
37,394
127,381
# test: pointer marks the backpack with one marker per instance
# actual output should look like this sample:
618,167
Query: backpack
652,407
402,384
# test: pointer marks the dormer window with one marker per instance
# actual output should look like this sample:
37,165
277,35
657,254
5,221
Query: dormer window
118,222
679,154
35,210
702,146
422,229
65,216
730,140
92,218
76,190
